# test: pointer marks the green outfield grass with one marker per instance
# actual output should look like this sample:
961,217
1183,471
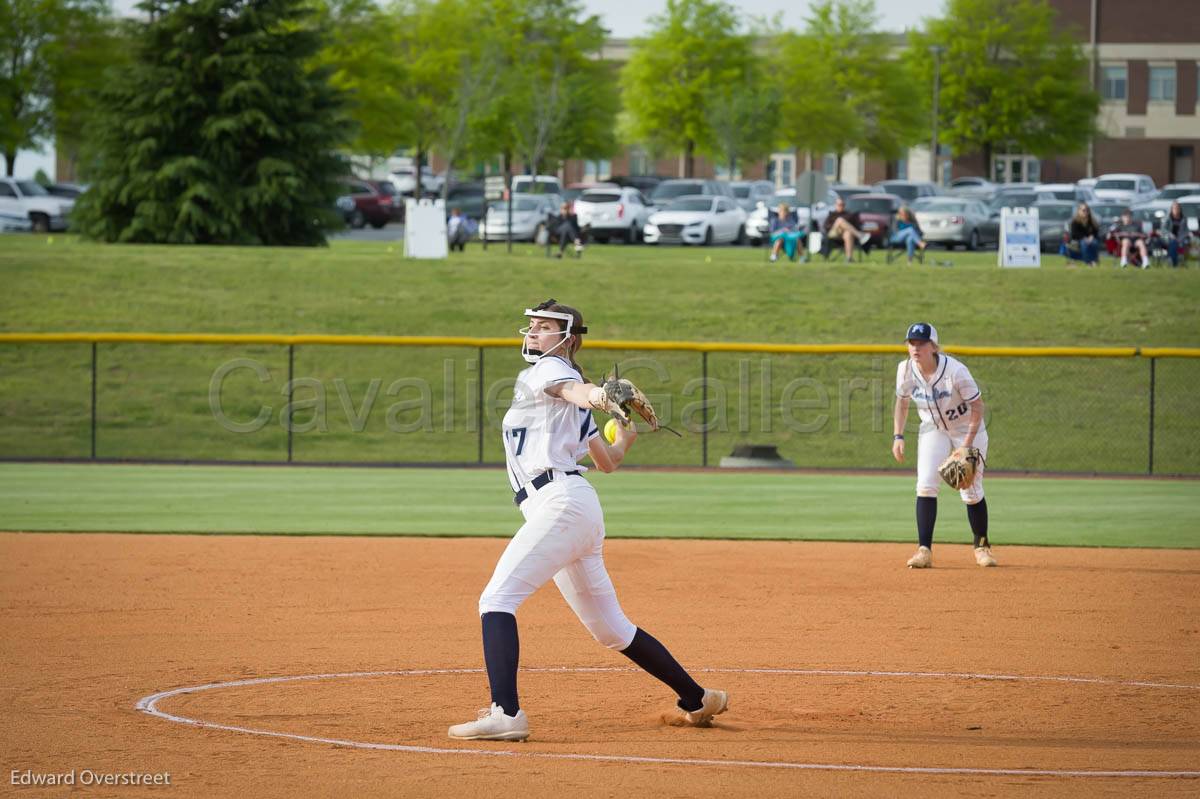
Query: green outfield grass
153,401
643,504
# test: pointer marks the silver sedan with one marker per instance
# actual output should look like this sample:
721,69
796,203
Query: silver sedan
952,221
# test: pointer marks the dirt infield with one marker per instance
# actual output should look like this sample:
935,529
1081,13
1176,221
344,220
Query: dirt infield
91,624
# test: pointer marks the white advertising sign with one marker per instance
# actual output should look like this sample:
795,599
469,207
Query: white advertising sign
425,229
1020,237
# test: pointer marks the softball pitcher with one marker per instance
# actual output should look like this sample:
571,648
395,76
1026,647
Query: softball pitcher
951,409
548,429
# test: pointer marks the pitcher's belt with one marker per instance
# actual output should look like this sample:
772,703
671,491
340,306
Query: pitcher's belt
538,483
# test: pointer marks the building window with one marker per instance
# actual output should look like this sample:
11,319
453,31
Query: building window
781,170
1162,83
639,162
595,171
829,166
1015,168
902,169
1113,81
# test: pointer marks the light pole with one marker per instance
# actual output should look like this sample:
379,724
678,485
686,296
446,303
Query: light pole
937,51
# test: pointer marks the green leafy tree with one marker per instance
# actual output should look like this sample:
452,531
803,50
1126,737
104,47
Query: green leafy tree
365,66
45,48
693,50
1009,77
559,99
744,117
846,88
91,46
218,131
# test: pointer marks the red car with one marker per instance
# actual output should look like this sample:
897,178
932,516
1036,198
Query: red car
876,212
371,203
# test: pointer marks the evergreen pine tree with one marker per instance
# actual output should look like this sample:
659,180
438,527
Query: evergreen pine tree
219,131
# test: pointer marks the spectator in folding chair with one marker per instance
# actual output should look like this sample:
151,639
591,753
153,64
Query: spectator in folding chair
846,226
785,233
1132,240
564,228
1176,233
907,234
1082,243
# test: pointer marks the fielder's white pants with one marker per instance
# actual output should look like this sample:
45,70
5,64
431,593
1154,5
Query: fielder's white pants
563,538
934,445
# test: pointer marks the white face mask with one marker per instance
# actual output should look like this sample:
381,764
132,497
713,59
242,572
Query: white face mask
532,355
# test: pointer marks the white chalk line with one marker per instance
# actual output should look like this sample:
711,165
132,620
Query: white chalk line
149,705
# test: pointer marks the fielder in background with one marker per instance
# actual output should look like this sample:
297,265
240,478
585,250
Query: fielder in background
951,409
548,429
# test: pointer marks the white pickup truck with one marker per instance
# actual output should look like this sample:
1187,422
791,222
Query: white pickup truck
27,199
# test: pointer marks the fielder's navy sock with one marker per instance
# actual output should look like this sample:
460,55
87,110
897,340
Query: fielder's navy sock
646,651
926,516
501,652
977,516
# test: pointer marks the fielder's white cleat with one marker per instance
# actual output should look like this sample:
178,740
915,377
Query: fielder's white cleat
713,704
922,560
493,725
983,556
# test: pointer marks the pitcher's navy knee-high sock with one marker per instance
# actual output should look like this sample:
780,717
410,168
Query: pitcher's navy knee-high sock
646,651
926,516
977,515
501,653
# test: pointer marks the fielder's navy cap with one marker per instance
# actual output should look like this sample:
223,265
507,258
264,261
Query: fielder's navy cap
922,331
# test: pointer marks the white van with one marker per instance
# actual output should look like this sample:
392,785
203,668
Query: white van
542,184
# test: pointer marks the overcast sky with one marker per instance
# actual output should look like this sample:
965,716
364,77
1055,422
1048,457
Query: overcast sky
626,19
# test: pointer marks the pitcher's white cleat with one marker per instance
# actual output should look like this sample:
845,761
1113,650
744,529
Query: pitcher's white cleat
493,725
983,556
713,704
922,560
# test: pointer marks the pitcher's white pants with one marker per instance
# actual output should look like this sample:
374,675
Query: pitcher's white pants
934,446
563,538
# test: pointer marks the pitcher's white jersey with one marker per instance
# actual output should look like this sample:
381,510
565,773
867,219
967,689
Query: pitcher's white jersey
542,432
943,401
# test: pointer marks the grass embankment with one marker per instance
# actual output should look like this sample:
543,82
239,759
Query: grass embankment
154,401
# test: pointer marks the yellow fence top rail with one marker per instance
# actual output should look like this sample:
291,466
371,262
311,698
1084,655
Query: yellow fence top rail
673,346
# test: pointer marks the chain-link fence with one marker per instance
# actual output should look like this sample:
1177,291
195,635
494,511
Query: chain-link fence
252,400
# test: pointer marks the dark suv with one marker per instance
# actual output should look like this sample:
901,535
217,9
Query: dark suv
469,198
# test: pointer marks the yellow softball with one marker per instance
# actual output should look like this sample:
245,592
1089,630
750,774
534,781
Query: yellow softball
610,431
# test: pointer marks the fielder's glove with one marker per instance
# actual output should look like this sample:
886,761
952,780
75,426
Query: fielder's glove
619,397
959,469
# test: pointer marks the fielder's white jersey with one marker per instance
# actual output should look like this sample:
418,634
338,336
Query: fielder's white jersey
542,432
943,401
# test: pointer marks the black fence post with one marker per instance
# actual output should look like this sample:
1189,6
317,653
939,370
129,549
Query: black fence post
93,400
1150,460
704,408
479,404
291,366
